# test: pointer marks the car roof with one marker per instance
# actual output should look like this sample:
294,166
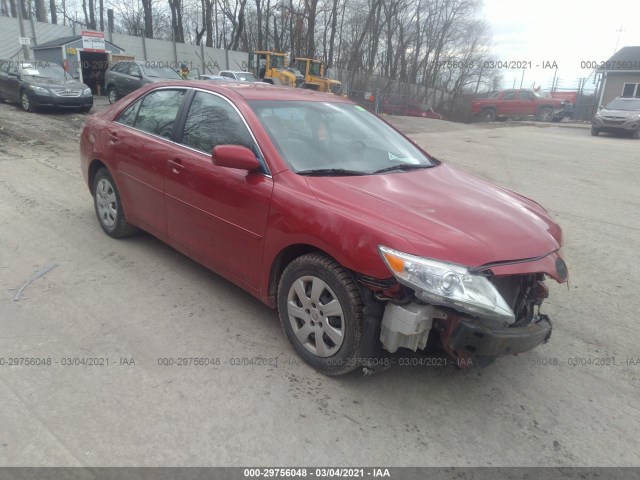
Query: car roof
257,91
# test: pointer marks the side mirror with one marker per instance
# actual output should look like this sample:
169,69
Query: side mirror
235,156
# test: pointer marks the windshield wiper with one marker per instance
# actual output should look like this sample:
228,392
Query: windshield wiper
330,172
403,166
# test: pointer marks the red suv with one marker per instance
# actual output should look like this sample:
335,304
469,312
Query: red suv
363,242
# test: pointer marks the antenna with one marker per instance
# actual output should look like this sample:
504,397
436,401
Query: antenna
620,30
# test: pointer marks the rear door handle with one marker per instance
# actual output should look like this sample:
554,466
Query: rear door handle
175,165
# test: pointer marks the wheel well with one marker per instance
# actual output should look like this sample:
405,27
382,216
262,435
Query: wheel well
284,258
93,169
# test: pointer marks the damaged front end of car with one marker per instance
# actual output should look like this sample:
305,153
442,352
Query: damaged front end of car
479,313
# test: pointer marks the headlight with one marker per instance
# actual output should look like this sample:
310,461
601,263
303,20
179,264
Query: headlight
86,92
40,90
447,284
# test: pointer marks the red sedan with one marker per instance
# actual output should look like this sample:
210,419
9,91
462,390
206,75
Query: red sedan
363,242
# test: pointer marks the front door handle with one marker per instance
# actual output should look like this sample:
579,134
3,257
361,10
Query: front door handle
175,165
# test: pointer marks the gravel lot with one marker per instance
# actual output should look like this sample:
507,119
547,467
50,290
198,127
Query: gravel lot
138,300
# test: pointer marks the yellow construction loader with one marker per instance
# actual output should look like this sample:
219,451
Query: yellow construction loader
314,79
271,67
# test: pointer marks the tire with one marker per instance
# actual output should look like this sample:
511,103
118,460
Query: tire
26,102
308,285
112,95
85,109
636,134
108,206
489,115
594,132
545,114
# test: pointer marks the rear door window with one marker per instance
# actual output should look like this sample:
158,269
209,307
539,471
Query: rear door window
155,113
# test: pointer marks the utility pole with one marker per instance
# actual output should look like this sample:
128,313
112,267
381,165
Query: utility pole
522,78
25,48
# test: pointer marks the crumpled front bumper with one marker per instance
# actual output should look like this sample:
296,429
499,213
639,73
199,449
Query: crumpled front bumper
471,339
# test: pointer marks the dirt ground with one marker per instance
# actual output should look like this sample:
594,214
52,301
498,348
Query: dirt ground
571,402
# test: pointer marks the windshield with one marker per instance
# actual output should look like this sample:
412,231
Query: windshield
327,136
314,69
160,72
628,104
44,70
277,62
246,77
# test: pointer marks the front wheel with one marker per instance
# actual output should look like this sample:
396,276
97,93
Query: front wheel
112,95
320,311
594,132
636,134
545,115
108,206
26,102
489,115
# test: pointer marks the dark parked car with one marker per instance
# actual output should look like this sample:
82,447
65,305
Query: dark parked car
38,84
409,108
361,240
621,115
122,78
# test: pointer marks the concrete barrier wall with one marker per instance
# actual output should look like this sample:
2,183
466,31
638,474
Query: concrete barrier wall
206,59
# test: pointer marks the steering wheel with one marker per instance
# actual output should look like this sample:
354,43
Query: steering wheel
355,146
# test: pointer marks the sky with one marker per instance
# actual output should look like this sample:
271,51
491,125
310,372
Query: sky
567,32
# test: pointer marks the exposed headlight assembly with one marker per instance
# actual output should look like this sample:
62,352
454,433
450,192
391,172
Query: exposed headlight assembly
447,284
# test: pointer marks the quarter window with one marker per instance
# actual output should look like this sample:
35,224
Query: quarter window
213,121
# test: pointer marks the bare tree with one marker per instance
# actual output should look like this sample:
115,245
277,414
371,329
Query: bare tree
176,8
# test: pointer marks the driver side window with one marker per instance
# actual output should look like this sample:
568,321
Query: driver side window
134,70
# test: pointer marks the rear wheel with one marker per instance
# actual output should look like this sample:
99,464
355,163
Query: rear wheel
26,102
320,311
109,206
545,114
112,95
488,115
594,132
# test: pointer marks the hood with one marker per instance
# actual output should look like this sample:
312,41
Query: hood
445,214
618,113
53,82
